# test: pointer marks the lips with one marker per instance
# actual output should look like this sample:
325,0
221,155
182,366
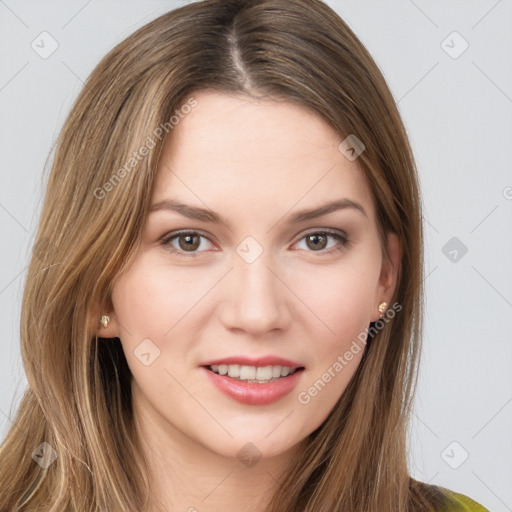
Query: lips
251,393
243,385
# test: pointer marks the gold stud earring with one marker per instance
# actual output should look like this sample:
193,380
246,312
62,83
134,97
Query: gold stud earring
382,307
104,321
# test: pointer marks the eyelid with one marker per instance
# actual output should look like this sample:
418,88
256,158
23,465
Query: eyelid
327,231
340,235
166,239
344,242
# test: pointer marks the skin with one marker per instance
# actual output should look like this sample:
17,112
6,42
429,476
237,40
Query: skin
256,163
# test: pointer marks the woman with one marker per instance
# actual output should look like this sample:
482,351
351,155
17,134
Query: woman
223,307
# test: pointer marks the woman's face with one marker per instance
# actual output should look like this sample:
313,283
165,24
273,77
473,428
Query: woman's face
254,281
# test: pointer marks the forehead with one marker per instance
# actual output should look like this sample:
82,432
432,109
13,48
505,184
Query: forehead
256,156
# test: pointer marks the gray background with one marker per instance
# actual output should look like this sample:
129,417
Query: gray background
457,107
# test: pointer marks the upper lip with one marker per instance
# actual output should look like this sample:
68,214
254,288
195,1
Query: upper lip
254,361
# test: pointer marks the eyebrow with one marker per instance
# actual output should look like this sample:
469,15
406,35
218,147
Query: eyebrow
205,215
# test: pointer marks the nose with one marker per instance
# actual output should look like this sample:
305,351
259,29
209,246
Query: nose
256,297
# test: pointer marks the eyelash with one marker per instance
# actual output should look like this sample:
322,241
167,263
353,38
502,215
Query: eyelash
344,242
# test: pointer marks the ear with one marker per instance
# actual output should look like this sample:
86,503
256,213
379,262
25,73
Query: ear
94,321
388,275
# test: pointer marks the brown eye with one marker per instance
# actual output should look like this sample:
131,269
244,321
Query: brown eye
189,242
316,241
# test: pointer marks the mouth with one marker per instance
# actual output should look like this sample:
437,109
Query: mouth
253,374
249,381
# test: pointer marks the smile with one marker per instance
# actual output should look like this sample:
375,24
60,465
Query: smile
255,374
253,386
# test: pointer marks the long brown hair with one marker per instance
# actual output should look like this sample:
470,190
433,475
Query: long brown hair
78,399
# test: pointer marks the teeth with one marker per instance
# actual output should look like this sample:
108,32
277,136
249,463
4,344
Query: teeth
234,370
247,373
264,373
252,373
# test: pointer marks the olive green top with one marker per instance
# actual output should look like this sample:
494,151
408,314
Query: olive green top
462,503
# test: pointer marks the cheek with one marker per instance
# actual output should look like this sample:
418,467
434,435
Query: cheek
343,306
338,299
150,299
155,306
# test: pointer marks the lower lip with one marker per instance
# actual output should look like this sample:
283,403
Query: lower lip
251,393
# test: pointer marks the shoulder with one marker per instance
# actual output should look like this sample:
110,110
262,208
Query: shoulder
457,502
440,499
